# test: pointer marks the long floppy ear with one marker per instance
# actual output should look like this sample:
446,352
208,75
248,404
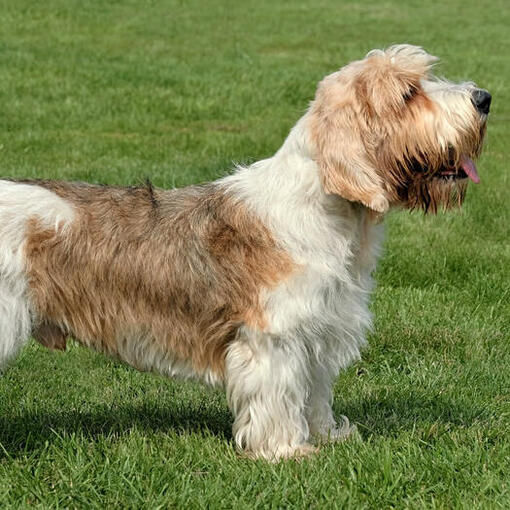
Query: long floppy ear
350,111
343,161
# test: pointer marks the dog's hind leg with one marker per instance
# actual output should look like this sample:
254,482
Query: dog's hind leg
19,204
15,320
267,384
51,336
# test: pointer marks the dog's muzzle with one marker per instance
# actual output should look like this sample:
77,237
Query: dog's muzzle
482,100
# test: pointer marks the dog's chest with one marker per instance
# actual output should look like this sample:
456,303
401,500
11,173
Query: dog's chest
331,290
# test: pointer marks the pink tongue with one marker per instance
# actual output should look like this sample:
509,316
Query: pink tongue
469,167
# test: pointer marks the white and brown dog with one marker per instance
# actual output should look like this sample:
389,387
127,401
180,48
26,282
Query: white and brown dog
259,281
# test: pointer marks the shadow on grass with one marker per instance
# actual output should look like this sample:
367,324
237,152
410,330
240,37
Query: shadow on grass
391,414
28,432
376,417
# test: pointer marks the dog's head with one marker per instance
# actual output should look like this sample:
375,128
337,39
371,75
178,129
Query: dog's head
387,133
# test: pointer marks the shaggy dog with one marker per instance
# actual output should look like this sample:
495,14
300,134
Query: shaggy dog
259,281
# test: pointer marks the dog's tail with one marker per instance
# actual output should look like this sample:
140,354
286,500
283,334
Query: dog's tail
15,323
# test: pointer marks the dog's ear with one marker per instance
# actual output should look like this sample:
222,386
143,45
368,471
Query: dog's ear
344,168
344,164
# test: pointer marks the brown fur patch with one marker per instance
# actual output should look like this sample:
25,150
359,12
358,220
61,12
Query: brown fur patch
51,336
181,269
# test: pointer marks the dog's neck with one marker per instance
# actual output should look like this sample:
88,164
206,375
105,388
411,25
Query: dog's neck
290,180
286,192
291,176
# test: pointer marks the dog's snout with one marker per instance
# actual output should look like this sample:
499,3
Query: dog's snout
482,100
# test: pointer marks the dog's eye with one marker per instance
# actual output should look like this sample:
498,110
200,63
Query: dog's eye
409,94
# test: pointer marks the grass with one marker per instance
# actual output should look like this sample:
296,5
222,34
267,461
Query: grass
115,92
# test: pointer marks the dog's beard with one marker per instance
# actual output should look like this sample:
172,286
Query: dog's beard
434,185
431,195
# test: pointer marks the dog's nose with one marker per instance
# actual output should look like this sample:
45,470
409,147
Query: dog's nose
482,100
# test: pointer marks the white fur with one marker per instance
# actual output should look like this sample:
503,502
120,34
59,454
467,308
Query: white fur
18,204
454,99
279,384
144,354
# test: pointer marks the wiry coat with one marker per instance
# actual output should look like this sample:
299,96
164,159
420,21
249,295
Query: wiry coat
259,281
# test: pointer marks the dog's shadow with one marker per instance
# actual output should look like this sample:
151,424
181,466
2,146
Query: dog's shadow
394,414
30,431
391,415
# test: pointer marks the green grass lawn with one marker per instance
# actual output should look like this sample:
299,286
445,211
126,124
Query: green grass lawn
118,91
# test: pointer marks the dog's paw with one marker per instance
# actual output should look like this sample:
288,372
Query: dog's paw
340,432
284,452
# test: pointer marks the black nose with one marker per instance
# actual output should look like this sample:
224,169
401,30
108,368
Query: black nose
482,100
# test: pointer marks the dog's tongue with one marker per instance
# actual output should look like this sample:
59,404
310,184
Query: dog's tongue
469,167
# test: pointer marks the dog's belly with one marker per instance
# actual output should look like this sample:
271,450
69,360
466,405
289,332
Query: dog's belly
147,355
137,349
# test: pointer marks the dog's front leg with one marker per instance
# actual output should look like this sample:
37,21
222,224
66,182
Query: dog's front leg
267,386
319,413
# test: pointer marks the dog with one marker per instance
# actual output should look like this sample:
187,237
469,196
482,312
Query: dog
260,281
